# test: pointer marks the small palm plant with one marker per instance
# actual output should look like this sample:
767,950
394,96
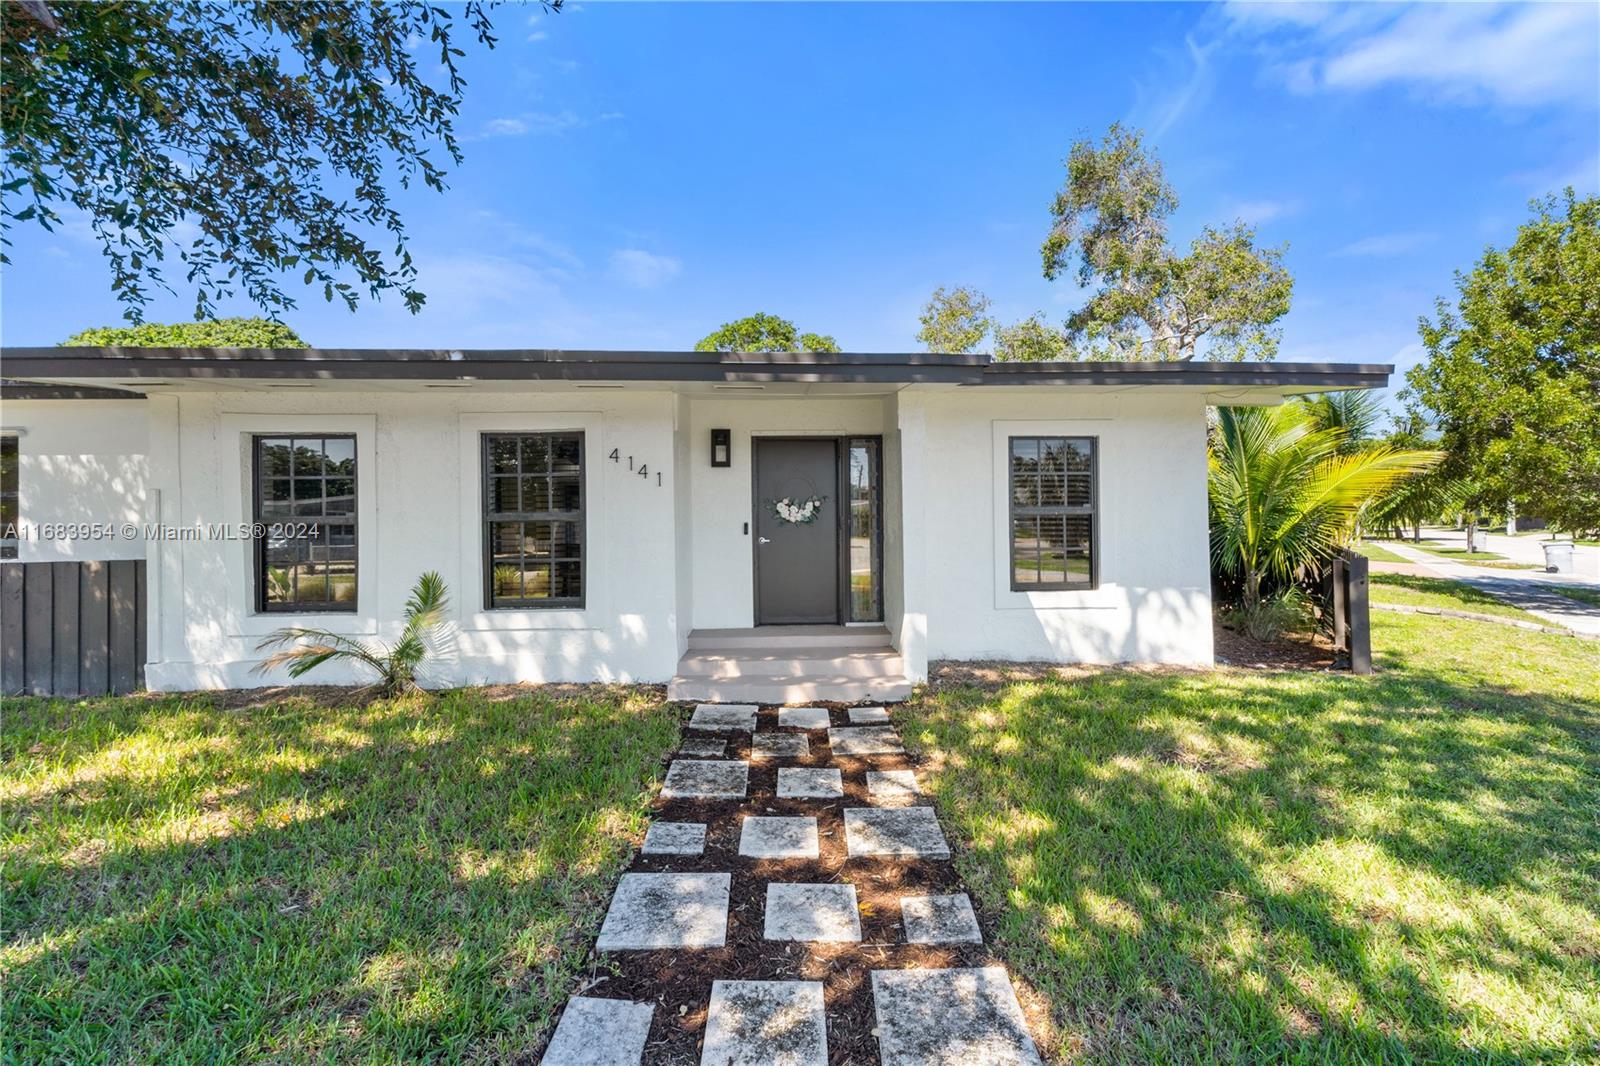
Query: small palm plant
302,649
1286,492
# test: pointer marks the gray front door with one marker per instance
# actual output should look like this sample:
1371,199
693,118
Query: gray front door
797,562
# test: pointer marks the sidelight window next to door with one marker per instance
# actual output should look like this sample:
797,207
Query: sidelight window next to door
863,484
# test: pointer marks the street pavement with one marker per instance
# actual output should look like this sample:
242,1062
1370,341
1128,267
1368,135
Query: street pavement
1528,589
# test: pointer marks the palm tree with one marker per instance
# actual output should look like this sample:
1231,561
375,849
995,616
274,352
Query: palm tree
1286,492
1355,411
304,649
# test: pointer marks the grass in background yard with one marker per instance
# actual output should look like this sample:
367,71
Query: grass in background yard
1461,555
1294,867
1574,592
410,880
1379,554
1410,591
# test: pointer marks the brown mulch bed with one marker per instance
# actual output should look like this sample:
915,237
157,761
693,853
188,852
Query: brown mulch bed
1235,649
678,982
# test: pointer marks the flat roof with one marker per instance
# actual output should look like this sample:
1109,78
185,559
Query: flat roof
546,364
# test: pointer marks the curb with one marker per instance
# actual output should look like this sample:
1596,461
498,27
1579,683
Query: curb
1474,616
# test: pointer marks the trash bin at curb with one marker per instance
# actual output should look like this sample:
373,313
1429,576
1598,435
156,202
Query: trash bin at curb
1558,556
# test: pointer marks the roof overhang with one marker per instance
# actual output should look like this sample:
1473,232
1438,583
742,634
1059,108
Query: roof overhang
229,368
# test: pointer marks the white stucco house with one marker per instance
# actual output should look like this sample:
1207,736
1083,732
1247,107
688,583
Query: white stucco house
771,526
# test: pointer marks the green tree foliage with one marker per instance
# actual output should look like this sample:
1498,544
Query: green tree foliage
1033,340
1431,496
1285,493
253,140
762,332
1223,298
303,649
215,333
1512,377
955,321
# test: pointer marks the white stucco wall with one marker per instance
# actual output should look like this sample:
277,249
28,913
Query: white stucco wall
1153,603
419,509
721,497
80,462
662,558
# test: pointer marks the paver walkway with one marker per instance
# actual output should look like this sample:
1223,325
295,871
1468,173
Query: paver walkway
794,903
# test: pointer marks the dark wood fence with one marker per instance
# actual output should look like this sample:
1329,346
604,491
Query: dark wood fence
72,629
1352,616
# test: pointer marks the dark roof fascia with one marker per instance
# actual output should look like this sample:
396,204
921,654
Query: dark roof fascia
745,367
1307,376
33,390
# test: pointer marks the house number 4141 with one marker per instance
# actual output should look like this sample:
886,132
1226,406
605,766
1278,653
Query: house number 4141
643,469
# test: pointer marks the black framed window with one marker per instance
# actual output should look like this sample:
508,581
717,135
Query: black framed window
533,520
1054,496
305,514
9,514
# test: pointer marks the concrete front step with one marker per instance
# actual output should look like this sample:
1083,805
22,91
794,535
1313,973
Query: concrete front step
794,688
732,663
778,638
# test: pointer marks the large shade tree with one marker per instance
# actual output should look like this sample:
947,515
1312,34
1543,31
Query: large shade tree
762,332
955,321
1222,298
1511,381
213,333
254,141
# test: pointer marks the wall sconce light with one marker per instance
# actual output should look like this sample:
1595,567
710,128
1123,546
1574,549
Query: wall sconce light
721,447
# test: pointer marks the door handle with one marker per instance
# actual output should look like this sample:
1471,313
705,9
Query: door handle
763,540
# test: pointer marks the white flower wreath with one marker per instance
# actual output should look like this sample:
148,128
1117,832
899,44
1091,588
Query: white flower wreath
802,512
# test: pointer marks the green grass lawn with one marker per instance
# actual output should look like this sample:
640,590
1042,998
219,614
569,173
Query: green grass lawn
1459,555
1582,595
1378,553
403,882
1410,591
1293,867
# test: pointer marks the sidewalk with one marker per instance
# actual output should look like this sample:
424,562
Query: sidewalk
1527,589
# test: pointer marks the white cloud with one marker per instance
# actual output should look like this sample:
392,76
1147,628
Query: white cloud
536,123
1516,55
1388,245
641,269
536,36
504,127
1157,111
1260,212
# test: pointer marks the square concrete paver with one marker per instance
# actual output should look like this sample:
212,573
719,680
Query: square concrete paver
708,779
950,1018
778,838
651,911
903,833
716,716
766,1023
599,1032
779,746
865,740
869,716
674,838
940,920
797,782
812,913
892,786
703,747
803,717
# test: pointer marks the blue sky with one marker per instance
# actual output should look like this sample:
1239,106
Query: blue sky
637,174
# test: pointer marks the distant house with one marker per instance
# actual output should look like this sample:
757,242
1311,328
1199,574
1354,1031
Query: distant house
770,526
